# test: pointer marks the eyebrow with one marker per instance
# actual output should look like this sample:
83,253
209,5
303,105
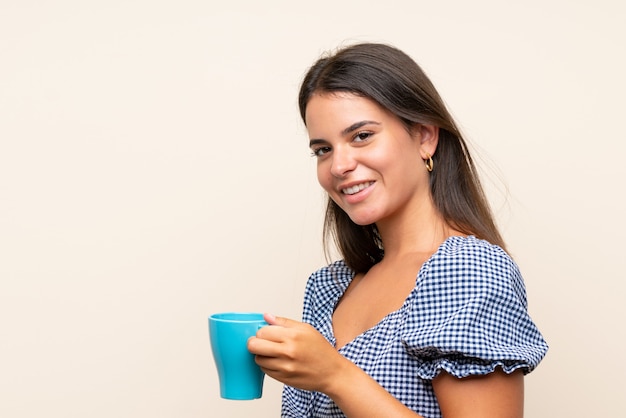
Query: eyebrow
346,131
358,125
317,142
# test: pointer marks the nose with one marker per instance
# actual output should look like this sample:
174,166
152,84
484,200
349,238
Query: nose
343,162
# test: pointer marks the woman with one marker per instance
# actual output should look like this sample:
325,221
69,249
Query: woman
425,315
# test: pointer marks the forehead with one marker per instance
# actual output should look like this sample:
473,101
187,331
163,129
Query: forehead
338,110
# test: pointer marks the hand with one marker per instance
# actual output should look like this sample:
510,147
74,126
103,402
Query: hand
296,354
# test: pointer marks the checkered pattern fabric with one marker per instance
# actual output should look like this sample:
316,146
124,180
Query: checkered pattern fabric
467,315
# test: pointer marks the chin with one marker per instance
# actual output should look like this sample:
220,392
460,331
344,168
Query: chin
363,220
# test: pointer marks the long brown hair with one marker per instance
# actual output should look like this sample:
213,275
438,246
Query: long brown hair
392,79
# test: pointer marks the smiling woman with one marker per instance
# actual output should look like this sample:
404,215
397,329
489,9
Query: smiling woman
426,314
366,168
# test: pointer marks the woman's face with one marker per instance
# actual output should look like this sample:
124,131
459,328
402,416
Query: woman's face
367,161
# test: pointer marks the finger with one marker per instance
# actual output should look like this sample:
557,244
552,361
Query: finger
256,346
280,321
269,318
273,333
263,347
267,364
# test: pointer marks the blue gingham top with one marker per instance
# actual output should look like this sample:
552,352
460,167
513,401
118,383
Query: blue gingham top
467,315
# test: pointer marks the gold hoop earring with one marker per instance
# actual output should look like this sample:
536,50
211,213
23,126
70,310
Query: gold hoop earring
428,162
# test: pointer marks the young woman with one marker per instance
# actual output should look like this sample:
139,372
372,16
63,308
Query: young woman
426,314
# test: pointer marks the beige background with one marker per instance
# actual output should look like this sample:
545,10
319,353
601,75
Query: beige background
153,170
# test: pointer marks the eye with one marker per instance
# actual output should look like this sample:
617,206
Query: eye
362,136
319,151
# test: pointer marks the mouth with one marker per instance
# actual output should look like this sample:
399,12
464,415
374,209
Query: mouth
356,188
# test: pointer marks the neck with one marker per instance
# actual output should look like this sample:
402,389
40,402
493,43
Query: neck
422,232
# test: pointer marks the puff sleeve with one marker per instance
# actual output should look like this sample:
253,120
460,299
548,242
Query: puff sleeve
469,315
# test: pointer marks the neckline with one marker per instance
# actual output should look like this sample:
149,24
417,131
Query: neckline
348,278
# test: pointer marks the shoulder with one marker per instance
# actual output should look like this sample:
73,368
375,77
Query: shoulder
469,313
474,266
471,249
325,286
470,253
336,271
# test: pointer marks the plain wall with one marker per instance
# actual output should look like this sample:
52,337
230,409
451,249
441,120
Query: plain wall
154,170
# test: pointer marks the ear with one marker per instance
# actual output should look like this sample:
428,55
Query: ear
427,138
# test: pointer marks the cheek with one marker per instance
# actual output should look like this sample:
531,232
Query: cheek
323,177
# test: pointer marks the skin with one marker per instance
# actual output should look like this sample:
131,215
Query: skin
357,142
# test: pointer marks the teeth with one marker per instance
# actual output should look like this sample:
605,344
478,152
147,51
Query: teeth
357,188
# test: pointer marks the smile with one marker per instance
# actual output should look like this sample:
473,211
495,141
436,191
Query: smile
356,188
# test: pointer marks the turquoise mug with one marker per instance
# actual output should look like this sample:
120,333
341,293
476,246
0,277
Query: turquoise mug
239,376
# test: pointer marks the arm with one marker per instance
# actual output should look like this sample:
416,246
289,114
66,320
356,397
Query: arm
298,355
495,395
